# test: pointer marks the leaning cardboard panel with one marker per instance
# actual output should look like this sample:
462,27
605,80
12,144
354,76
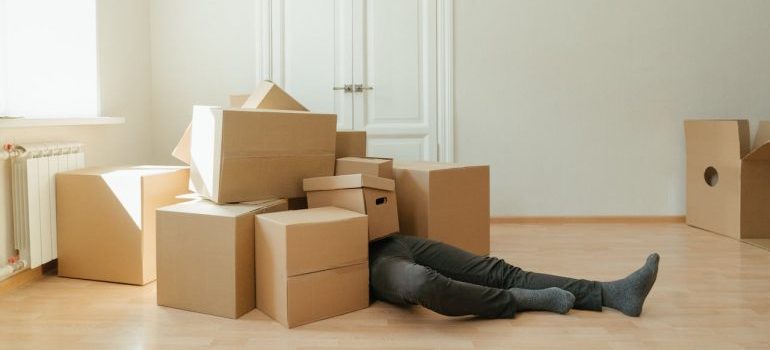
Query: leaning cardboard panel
267,95
206,256
380,167
311,264
106,220
727,179
444,202
241,155
370,195
351,144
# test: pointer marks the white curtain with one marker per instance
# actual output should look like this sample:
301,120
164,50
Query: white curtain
48,60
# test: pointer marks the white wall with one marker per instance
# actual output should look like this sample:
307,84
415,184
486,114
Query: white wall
578,105
202,52
124,60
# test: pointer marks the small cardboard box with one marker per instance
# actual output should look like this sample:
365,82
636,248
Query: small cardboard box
370,195
351,144
105,220
206,256
444,202
311,264
241,155
267,95
728,181
380,167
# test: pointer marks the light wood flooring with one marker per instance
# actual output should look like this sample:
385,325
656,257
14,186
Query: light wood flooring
712,293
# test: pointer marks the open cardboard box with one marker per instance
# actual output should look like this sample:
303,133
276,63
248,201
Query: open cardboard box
728,180
365,194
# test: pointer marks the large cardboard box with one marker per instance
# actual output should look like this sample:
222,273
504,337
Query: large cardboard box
206,256
267,95
370,195
444,202
380,167
105,220
241,155
728,180
311,264
351,144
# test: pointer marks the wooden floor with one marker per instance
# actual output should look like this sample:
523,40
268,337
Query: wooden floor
712,293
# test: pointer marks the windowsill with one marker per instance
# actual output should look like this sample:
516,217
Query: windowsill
47,122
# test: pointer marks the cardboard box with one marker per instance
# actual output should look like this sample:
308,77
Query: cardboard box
311,264
267,95
105,220
370,195
206,256
380,167
728,187
351,144
241,155
444,202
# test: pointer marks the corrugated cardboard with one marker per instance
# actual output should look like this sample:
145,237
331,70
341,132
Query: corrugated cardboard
727,179
444,202
267,95
206,256
106,220
311,264
241,155
380,167
351,144
374,196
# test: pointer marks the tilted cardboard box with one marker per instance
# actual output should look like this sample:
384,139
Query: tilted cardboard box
728,181
206,256
267,95
311,264
105,220
370,195
380,167
444,202
240,155
351,144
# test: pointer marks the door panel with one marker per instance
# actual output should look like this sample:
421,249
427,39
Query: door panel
398,62
316,52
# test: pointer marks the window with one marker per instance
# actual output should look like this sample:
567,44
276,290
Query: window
48,66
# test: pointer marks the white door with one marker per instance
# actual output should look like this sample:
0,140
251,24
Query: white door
387,50
311,53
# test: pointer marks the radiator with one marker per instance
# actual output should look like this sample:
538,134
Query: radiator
33,182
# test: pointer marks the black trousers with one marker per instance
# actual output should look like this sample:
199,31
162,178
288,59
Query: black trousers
410,270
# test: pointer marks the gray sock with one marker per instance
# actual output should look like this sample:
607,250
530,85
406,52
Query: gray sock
628,295
549,299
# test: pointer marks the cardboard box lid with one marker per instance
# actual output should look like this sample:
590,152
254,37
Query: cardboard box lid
139,170
267,95
370,160
326,183
431,166
311,216
206,207
761,150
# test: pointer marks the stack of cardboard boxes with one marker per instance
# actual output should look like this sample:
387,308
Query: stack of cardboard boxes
248,240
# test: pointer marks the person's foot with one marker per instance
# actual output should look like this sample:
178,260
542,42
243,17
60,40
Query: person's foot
549,299
627,295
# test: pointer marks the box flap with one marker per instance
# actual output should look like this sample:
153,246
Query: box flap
760,153
310,216
268,95
206,207
326,183
717,140
370,160
763,134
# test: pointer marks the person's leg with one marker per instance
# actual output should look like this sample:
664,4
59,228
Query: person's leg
401,281
628,294
396,278
492,272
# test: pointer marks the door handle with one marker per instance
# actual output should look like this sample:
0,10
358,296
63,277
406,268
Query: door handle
361,88
346,88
